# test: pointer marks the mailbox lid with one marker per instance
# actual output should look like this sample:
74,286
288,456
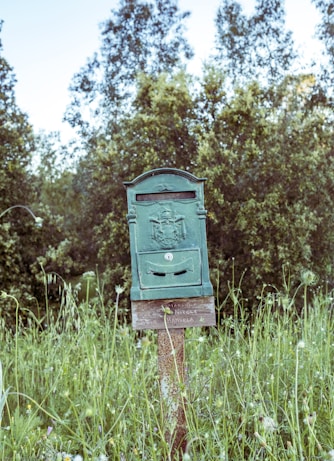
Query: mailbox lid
169,172
162,269
164,184
166,204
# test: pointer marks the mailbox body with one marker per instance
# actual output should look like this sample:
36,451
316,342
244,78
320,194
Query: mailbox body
167,225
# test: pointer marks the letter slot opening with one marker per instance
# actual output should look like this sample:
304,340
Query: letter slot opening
157,196
181,272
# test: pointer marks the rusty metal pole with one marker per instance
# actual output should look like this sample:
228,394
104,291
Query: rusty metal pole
172,384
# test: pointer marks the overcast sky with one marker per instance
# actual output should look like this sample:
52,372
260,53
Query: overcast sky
47,42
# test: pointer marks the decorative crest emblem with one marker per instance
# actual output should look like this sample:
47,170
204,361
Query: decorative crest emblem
168,229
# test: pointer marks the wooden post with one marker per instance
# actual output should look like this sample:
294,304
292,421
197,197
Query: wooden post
172,386
170,317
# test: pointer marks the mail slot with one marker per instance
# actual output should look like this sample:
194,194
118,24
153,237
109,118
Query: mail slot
167,225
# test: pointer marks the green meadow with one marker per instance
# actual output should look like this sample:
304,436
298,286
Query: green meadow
80,384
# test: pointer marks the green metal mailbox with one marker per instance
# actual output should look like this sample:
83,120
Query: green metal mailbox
167,225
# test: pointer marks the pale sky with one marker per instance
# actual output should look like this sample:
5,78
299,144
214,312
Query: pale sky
47,42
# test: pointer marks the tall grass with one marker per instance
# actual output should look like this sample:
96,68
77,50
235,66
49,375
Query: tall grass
87,387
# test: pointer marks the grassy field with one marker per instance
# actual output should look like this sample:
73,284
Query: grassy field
86,387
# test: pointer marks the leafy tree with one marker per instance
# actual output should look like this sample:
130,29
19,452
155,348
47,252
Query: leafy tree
60,203
267,157
140,37
18,233
326,35
16,141
257,47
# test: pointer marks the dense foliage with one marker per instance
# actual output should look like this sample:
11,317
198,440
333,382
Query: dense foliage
256,47
260,131
18,233
269,163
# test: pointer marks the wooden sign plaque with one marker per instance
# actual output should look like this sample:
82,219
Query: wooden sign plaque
176,313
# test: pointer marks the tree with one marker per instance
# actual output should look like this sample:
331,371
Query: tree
17,227
60,203
16,141
267,157
325,33
257,47
140,37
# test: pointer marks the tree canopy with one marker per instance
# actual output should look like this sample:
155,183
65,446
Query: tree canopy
16,225
140,37
257,47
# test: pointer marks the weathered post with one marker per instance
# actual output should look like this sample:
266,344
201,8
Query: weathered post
171,288
171,374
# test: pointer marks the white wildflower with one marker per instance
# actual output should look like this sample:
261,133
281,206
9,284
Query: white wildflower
301,345
119,290
88,275
78,458
331,455
166,310
223,456
103,458
38,221
66,457
308,278
269,425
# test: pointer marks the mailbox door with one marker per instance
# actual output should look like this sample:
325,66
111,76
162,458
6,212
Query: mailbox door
161,269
